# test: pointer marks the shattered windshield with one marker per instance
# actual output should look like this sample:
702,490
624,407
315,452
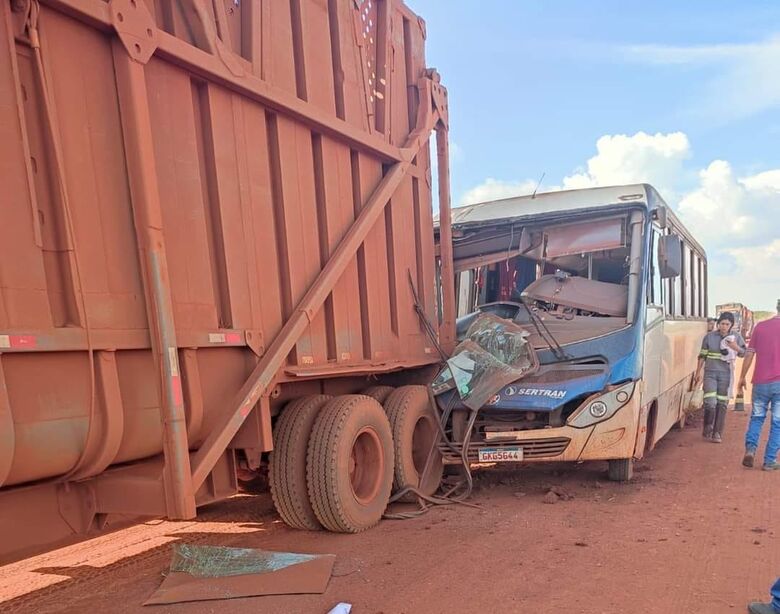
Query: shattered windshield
583,269
569,269
564,281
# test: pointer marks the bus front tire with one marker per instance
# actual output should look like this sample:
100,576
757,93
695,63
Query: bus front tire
621,469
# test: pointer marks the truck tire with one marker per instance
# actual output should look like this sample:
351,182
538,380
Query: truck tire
380,393
349,466
621,469
287,463
412,420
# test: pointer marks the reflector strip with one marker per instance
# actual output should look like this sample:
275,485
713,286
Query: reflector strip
224,337
18,341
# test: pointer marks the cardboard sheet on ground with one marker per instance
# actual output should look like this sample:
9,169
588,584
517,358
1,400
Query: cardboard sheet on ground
202,573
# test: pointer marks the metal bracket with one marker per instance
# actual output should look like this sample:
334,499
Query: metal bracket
135,27
254,340
439,97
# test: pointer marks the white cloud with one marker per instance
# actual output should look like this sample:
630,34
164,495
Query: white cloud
737,219
726,211
768,180
738,222
754,277
744,82
495,189
620,159
641,158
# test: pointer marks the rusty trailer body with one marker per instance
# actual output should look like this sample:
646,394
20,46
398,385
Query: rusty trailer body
208,209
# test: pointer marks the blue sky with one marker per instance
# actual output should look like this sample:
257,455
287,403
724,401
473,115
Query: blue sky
564,88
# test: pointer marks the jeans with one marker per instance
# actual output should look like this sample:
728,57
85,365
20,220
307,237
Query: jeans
775,592
766,399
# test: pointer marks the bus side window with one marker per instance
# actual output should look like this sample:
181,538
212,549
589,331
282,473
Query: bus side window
677,306
693,276
656,289
703,288
685,282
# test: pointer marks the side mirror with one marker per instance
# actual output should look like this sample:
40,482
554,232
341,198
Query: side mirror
669,256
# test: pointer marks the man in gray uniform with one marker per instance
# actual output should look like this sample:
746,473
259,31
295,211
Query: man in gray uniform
717,374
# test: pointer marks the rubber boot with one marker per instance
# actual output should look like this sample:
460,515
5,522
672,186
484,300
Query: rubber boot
719,422
709,422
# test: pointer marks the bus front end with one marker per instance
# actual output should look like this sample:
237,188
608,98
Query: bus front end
586,283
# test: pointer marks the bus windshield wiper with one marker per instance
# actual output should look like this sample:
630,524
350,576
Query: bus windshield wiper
547,336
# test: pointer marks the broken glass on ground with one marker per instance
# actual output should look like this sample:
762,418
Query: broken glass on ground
202,573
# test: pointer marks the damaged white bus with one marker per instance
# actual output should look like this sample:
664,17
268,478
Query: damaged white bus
612,290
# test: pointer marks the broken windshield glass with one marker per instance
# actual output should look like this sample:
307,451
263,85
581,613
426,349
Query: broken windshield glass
494,353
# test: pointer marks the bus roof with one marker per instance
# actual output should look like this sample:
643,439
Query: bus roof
520,208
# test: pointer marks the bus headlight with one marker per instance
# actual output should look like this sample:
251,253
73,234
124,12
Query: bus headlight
602,407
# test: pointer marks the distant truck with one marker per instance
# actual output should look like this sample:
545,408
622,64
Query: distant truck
743,317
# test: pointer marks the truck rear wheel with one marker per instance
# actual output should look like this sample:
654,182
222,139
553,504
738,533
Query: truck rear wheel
380,393
287,463
349,465
621,469
413,423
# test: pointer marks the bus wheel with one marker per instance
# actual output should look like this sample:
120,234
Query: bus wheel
413,422
621,469
287,462
380,393
349,465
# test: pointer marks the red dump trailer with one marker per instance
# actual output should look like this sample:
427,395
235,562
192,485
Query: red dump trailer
215,233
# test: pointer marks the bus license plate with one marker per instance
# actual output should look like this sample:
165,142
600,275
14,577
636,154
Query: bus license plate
500,455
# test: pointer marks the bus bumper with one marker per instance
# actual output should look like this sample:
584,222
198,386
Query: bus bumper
613,438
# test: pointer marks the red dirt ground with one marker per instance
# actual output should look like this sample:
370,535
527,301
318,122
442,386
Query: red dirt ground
695,532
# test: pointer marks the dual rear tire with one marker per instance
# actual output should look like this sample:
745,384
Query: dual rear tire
349,464
418,462
336,460
287,463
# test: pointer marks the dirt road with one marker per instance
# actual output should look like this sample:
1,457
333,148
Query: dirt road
695,532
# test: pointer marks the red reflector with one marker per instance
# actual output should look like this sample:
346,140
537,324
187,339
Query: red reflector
22,341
